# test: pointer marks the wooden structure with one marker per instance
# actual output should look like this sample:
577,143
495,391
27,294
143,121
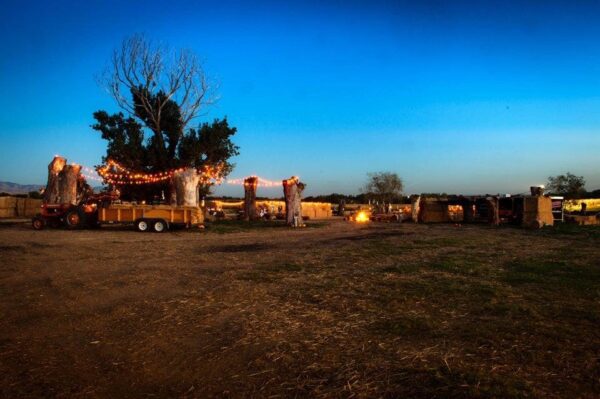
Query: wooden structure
250,185
527,211
151,217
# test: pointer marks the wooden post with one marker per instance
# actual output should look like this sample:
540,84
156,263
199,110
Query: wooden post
250,184
292,191
51,194
186,187
67,184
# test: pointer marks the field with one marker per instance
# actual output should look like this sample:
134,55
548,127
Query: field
332,310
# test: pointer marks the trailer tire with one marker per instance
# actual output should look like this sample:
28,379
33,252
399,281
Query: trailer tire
160,226
73,219
142,225
38,223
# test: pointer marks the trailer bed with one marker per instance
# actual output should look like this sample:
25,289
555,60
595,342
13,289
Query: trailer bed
171,215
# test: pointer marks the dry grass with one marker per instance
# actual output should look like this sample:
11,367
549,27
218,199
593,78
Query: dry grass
337,311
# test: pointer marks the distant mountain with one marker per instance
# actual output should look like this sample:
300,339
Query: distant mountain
15,188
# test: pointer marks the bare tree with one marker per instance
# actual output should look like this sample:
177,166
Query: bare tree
141,74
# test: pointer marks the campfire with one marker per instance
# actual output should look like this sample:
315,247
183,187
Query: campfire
361,217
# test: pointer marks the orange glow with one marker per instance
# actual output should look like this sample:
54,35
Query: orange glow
361,217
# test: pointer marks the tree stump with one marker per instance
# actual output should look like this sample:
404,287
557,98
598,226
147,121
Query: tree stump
186,187
250,184
416,208
292,191
493,211
51,194
67,184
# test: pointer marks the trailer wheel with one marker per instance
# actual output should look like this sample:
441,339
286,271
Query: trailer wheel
38,223
142,225
159,226
73,219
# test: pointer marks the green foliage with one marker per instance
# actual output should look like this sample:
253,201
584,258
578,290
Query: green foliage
125,139
166,148
384,186
569,185
211,144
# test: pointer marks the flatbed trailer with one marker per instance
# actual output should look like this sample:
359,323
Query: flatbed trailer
156,218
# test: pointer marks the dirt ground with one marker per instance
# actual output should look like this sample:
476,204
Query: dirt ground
332,310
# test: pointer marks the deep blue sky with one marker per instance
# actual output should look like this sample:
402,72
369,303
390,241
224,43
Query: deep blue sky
453,96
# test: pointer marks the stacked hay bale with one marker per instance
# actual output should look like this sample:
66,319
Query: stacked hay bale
317,210
28,207
8,207
537,212
434,211
310,210
592,205
13,207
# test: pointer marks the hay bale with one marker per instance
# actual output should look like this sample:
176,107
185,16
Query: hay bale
8,202
592,205
32,207
20,207
537,212
7,213
434,212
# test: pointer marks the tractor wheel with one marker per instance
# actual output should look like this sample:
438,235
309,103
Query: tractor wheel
142,225
73,219
38,223
160,226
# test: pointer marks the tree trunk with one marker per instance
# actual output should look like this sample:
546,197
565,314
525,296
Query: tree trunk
250,184
292,191
67,184
51,194
416,209
494,211
186,187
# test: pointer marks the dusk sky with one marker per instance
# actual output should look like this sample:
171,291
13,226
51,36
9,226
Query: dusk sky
455,97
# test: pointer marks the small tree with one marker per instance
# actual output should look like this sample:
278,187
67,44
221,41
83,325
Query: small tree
384,187
569,185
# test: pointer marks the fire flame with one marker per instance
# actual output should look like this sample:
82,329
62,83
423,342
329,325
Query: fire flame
361,217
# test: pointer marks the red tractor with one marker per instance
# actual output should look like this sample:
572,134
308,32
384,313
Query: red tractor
72,216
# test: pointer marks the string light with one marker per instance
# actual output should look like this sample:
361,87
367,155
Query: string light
114,173
261,182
